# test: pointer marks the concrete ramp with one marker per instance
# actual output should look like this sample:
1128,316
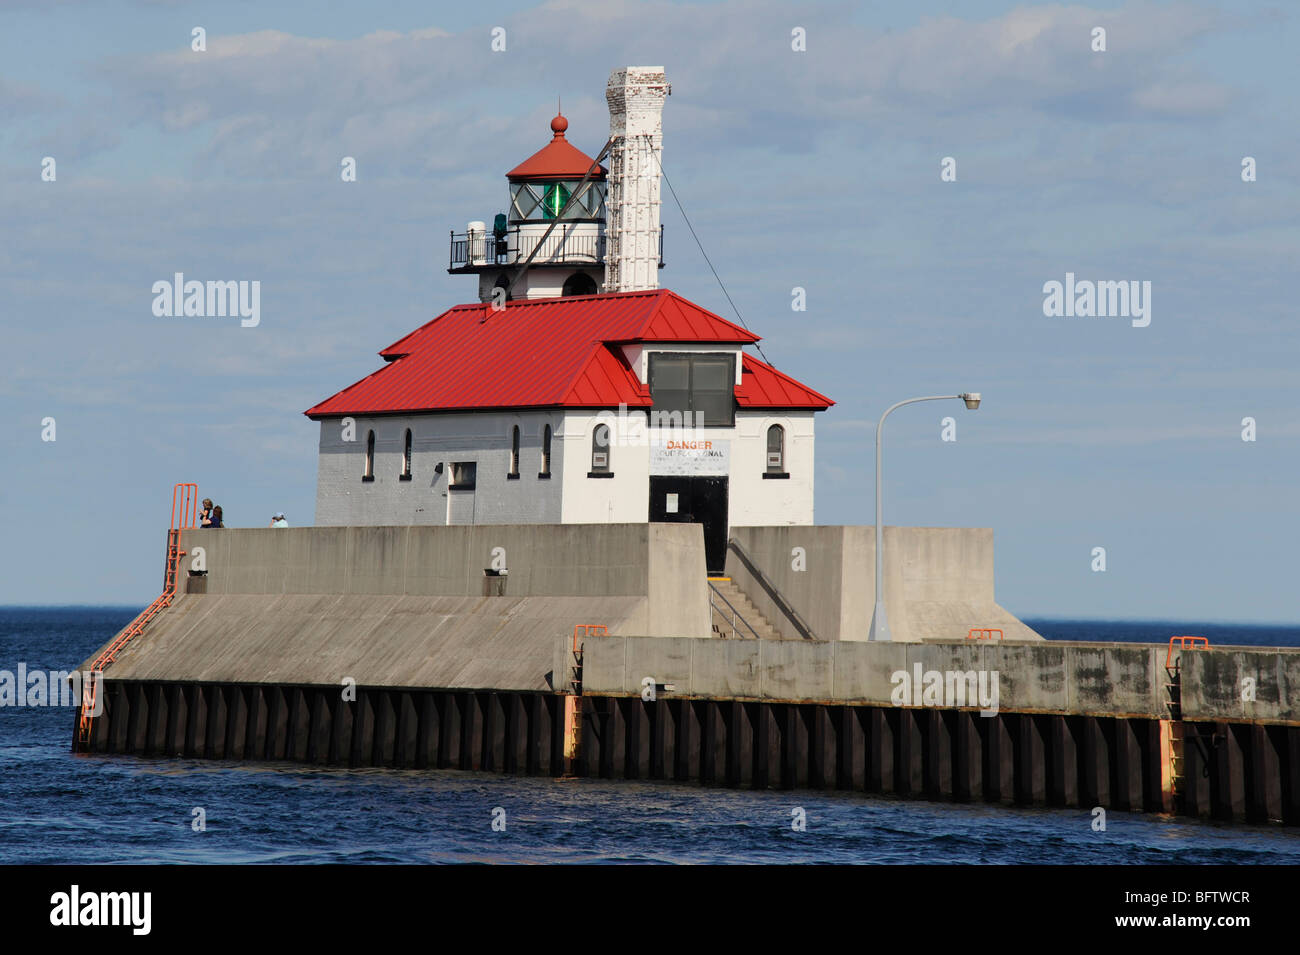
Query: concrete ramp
931,620
499,643
478,607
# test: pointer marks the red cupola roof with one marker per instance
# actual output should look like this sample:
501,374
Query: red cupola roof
558,159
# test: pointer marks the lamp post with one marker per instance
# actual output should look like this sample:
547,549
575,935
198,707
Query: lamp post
879,621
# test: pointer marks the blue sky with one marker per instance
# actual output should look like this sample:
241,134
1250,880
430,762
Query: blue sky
817,169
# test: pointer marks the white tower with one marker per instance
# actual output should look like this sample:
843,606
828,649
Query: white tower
636,104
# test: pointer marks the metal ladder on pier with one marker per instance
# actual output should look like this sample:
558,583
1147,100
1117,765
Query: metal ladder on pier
573,702
185,504
1174,706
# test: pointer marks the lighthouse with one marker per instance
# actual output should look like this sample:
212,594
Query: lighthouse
574,390
572,226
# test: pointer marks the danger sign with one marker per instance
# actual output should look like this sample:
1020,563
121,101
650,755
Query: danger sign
688,458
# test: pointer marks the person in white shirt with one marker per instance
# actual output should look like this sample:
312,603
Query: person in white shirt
278,520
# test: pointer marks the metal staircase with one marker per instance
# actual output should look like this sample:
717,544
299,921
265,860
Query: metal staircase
734,616
184,517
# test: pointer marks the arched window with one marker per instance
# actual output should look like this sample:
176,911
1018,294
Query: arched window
579,283
546,452
776,449
600,452
406,458
369,473
514,453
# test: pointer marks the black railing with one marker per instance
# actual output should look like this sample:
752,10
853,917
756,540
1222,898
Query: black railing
475,250
771,590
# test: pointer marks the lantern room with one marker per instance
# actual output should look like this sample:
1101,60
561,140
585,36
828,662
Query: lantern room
542,186
550,241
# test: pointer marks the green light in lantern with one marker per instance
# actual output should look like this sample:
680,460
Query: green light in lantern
554,201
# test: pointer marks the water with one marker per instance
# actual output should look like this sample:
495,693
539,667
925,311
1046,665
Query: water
1159,631
57,807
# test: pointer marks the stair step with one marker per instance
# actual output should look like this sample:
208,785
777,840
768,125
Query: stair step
745,610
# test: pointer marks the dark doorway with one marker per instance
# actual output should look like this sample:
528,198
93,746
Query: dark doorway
504,282
695,500
579,283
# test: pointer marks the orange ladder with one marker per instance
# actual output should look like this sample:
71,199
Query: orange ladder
185,507
1177,736
573,702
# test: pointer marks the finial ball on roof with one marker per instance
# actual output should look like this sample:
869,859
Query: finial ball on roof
559,124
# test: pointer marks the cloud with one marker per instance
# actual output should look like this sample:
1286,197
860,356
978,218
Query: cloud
20,99
402,99
1182,99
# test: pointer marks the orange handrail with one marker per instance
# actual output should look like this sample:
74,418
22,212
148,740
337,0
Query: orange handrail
983,633
588,630
185,509
1184,643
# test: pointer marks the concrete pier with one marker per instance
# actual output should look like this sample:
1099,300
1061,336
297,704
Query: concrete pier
1239,772
453,647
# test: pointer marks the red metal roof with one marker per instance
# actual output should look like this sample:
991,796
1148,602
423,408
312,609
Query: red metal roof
559,352
762,386
558,159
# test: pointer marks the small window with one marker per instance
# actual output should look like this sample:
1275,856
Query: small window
600,452
406,458
369,473
462,475
775,452
546,452
514,453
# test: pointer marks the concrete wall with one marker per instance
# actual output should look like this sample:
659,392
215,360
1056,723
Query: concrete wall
1123,679
1117,680
662,564
938,581
343,498
1217,684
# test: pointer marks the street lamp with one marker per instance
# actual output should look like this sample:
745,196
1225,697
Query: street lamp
879,621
